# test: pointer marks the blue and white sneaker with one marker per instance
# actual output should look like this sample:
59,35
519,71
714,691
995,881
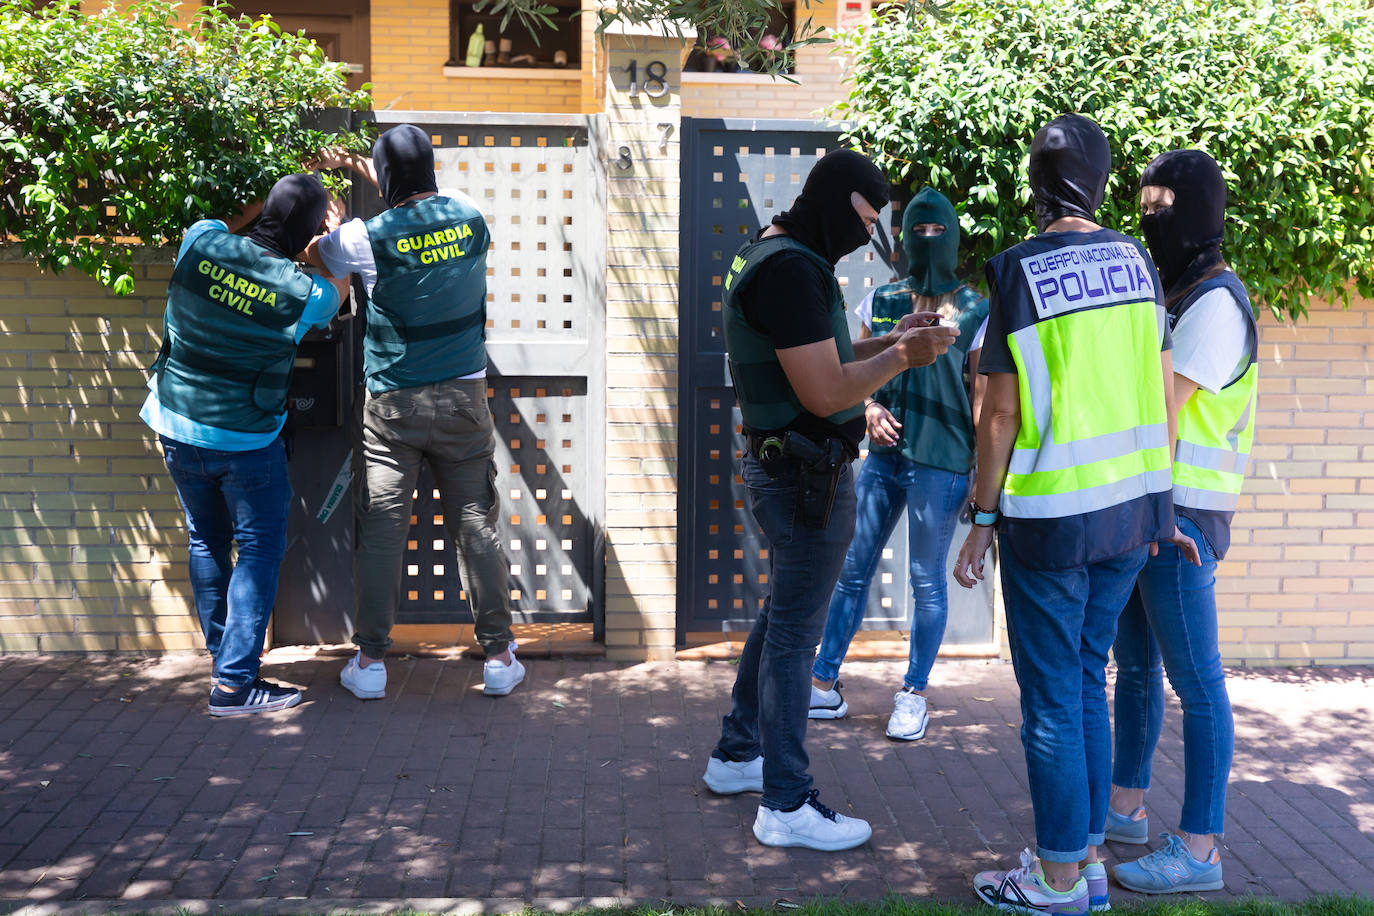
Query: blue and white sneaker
1095,873
1025,890
259,696
1171,869
1125,828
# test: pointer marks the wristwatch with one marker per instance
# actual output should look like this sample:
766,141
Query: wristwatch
983,518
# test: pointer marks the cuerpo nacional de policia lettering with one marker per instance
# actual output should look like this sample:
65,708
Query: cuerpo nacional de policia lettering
1087,275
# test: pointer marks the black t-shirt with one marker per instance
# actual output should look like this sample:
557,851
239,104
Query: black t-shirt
789,300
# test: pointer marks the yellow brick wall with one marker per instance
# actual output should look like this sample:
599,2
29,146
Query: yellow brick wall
92,550
643,205
1298,584
410,44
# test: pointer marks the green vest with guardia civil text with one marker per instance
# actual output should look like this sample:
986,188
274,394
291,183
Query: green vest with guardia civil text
426,317
229,346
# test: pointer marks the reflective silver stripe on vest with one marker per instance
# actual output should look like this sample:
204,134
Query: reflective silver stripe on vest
1194,498
1092,499
1052,456
1233,435
1212,459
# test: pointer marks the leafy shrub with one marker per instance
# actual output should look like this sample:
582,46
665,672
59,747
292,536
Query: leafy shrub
1279,92
120,129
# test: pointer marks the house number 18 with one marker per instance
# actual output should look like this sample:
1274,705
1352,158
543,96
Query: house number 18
655,78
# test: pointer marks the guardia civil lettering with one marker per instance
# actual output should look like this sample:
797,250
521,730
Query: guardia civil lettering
434,247
239,293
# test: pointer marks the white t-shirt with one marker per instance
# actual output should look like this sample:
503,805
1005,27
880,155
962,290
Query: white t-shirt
1212,341
348,249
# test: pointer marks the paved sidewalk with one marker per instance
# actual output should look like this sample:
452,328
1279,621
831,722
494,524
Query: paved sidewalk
117,790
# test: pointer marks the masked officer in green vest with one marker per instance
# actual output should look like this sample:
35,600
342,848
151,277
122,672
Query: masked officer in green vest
237,306
800,383
1074,444
423,263
1172,615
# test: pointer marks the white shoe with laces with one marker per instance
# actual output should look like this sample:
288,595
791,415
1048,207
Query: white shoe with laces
909,716
812,825
499,678
364,683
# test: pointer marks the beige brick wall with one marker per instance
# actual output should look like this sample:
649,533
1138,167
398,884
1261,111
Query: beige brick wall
92,549
92,554
643,204
1298,584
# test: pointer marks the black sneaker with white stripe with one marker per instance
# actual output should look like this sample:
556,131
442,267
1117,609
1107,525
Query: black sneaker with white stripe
259,696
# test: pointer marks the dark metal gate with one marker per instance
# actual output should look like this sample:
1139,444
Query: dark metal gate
736,173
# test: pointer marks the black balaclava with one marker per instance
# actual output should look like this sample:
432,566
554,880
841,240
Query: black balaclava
823,217
1185,237
931,259
1069,162
404,160
291,215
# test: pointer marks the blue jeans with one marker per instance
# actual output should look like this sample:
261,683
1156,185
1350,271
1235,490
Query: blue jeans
773,683
233,497
933,499
1060,624
1172,618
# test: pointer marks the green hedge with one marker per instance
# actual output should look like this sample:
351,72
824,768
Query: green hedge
1280,93
122,128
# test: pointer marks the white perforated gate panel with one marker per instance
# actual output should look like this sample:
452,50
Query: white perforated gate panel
536,188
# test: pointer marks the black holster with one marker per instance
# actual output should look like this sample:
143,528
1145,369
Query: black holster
818,468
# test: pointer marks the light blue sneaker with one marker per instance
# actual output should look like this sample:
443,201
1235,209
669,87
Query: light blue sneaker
1095,873
1124,828
1171,869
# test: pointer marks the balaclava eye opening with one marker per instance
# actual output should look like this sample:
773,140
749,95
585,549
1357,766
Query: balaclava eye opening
823,217
1069,162
1185,237
291,215
931,259
404,160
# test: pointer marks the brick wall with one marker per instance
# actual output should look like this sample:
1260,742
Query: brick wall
410,44
92,549
1298,584
92,554
644,202
819,83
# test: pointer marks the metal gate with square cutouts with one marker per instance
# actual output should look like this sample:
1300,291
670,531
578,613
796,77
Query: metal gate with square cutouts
539,181
736,174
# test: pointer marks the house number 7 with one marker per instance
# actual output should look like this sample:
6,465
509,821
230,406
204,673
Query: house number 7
655,78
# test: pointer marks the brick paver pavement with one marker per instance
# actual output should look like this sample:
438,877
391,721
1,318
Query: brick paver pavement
584,786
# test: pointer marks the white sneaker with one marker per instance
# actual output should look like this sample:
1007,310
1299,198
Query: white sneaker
727,777
813,825
498,678
827,704
909,718
364,683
